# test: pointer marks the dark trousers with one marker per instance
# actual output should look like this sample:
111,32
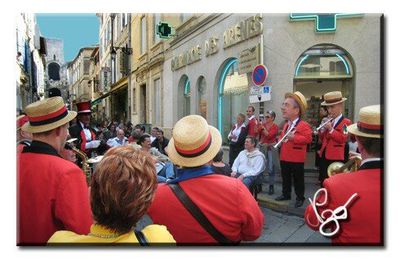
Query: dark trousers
295,170
323,167
233,153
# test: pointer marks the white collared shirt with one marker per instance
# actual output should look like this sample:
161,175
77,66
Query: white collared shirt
236,132
292,123
335,122
87,132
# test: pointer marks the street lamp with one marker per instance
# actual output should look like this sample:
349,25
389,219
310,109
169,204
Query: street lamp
125,50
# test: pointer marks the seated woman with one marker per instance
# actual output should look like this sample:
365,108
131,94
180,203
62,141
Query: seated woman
122,189
218,166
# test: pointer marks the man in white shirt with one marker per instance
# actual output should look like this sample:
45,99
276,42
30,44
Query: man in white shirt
249,163
120,140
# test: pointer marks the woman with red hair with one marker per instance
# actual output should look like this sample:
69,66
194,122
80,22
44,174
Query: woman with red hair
122,188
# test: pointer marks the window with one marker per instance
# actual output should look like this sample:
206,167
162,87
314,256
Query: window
201,96
124,20
323,61
134,100
184,97
233,96
143,46
54,71
157,103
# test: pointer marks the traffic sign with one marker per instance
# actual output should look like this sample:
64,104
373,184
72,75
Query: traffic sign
259,75
164,30
260,93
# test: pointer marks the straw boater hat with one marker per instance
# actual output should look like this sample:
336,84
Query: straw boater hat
194,142
84,107
300,99
333,98
21,120
369,123
47,114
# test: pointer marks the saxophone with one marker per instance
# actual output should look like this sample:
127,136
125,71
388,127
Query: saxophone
85,166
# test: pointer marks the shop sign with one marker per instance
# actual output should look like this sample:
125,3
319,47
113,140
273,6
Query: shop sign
248,59
323,22
242,31
105,79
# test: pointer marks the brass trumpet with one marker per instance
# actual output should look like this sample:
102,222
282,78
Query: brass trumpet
85,166
339,167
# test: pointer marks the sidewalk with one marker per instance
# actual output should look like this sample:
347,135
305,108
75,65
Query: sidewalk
286,206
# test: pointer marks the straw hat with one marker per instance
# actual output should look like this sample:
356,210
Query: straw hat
333,98
194,142
300,99
83,107
369,123
47,114
21,120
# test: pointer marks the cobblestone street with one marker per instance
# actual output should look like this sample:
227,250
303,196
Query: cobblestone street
287,229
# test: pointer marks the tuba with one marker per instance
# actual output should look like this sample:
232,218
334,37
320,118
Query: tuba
339,167
85,166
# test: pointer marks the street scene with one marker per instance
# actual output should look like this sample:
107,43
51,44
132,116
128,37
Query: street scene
200,129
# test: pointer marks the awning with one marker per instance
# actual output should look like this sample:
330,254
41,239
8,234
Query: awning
98,100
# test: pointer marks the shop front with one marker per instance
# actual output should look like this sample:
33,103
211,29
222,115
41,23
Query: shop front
210,66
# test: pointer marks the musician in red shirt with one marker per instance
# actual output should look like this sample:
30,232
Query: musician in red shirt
52,192
268,132
294,146
360,192
334,133
252,124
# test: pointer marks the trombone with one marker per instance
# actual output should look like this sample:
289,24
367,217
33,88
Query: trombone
284,137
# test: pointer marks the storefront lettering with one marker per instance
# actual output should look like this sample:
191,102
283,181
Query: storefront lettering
242,31
210,46
186,58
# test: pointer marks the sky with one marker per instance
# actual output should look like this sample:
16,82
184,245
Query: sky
76,30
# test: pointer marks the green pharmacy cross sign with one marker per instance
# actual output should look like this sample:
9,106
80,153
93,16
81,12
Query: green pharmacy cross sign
164,30
324,22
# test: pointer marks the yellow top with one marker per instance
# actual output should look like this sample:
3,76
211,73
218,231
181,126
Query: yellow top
155,234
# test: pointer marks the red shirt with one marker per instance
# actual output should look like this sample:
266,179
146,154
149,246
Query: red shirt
225,201
364,214
272,133
252,127
52,195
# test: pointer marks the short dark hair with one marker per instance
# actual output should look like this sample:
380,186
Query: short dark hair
373,146
122,188
252,108
252,139
135,135
160,131
218,157
142,138
141,127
